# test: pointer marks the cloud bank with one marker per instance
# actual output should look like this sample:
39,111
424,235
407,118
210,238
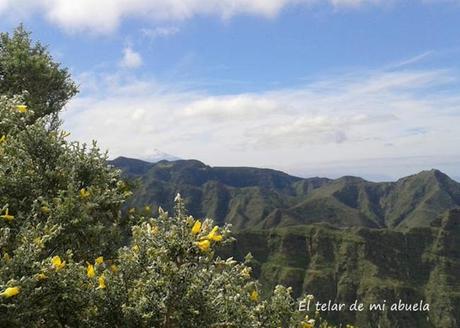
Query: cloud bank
346,117
104,16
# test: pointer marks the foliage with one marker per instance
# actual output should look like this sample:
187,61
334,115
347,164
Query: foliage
50,184
27,69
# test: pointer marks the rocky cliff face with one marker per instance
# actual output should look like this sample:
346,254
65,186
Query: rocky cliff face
368,265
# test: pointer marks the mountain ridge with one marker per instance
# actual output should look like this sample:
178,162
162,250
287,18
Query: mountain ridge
260,198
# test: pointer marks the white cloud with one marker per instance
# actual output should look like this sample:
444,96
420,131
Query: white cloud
360,3
369,114
234,107
131,59
315,130
160,32
104,16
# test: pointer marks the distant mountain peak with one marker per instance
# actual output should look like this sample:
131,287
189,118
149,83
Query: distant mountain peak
351,179
131,166
434,172
432,175
157,155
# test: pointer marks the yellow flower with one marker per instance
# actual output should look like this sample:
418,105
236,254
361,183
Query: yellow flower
41,276
7,216
214,234
90,271
99,260
101,281
203,245
21,108
308,323
10,292
153,229
246,273
196,227
84,193
135,249
38,242
45,209
254,296
57,263
2,139
114,268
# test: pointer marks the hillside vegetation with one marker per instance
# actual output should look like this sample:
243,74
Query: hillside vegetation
343,240
251,198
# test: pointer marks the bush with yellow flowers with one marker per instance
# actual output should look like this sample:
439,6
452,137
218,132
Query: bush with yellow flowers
64,262
49,184
169,276
70,256
59,204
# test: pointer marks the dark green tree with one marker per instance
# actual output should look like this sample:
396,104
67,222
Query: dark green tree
27,69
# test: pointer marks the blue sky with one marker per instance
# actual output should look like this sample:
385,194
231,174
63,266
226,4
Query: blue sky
333,87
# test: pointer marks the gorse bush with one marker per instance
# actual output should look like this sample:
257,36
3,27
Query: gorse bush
56,199
62,263
70,256
57,185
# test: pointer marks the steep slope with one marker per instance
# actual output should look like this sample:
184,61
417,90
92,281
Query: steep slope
413,201
416,200
265,199
241,196
369,265
345,202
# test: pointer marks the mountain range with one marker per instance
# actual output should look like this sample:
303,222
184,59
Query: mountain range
340,239
252,198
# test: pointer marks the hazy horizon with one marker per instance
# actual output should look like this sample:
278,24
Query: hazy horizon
332,172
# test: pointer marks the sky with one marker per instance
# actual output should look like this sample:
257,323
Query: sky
312,87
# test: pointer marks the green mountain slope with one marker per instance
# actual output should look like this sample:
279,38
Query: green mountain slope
265,199
369,265
342,240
